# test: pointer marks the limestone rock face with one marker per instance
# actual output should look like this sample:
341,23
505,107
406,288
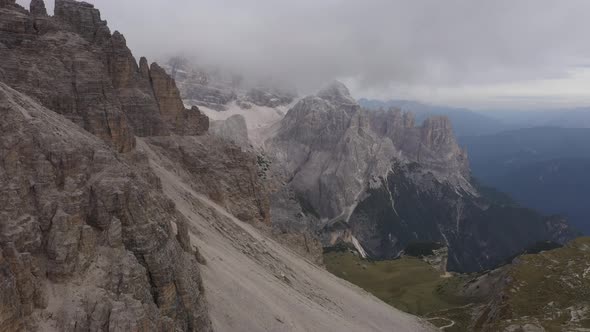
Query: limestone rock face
268,97
64,71
134,89
379,181
332,149
208,96
219,90
232,129
166,92
336,93
87,239
221,171
73,65
37,8
83,18
6,3
432,145
179,119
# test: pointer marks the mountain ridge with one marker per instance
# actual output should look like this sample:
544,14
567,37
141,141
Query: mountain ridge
108,186
378,181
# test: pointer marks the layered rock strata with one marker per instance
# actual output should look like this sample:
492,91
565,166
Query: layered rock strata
86,236
73,65
381,182
87,239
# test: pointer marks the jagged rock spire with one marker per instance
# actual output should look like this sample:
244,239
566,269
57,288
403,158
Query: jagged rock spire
336,92
37,8
84,19
6,3
144,68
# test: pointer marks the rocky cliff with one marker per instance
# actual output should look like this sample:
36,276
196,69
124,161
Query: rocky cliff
233,129
73,65
107,183
86,235
378,180
221,171
218,89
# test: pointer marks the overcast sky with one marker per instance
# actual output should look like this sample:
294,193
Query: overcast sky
481,54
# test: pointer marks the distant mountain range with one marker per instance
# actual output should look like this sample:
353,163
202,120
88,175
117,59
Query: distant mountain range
468,122
543,168
539,158
565,118
465,122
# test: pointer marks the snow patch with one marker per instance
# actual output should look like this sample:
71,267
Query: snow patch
259,119
358,247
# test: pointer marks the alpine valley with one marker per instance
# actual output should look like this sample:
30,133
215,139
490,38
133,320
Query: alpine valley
147,197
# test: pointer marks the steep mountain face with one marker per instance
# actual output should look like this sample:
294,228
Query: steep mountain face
89,75
375,179
255,284
243,111
412,206
465,122
332,148
107,184
86,235
221,171
233,129
217,90
88,241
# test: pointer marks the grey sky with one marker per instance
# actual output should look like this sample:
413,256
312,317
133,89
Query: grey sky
493,53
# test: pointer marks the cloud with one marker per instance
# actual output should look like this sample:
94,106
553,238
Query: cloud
381,46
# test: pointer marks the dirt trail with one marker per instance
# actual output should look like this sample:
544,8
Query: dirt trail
254,284
451,324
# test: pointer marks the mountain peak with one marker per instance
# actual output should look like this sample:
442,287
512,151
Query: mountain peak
37,8
336,92
6,3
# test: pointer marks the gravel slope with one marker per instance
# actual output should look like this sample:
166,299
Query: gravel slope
254,284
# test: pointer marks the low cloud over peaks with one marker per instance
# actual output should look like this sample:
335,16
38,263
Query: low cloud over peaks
418,48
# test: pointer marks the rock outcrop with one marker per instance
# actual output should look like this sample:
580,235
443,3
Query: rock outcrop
83,19
376,179
331,149
87,239
180,120
86,236
45,59
73,65
232,129
246,266
219,90
37,8
134,90
221,171
337,94
269,97
6,3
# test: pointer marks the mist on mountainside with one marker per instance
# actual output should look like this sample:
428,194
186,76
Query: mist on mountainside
328,165
446,53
